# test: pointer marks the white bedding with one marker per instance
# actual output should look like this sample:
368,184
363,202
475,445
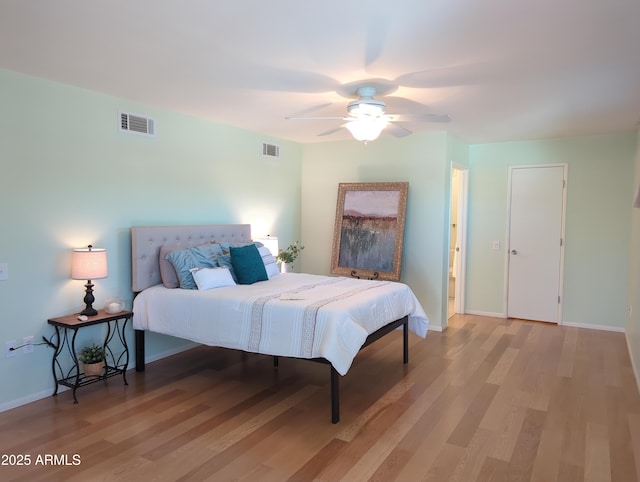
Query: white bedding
293,314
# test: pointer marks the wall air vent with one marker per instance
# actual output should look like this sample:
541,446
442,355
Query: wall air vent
270,150
137,124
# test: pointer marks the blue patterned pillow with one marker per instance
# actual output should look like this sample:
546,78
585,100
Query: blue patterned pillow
224,260
247,264
206,254
185,260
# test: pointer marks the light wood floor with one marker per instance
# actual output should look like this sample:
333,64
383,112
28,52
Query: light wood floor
488,399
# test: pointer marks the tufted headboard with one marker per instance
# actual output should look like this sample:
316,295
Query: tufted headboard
147,240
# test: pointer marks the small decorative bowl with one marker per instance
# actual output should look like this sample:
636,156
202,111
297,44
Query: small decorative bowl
113,305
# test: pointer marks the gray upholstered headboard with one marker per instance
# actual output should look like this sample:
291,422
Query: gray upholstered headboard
146,242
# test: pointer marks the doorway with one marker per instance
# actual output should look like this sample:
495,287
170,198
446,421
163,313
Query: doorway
536,242
457,239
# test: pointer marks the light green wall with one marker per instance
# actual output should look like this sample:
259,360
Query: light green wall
597,224
632,328
424,161
69,178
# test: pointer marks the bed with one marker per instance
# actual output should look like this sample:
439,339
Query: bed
325,319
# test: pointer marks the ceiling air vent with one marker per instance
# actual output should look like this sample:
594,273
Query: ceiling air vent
270,150
136,124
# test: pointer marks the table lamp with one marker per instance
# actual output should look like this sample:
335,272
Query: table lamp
88,264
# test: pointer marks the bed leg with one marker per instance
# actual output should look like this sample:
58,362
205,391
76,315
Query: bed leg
335,396
405,341
139,350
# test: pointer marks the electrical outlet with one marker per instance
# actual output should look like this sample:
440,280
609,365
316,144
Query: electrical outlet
8,353
27,343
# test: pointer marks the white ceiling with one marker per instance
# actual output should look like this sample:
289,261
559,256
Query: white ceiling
502,69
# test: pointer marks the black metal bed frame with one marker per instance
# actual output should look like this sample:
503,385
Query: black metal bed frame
335,380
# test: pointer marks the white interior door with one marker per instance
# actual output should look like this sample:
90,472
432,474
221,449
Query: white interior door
536,220
461,237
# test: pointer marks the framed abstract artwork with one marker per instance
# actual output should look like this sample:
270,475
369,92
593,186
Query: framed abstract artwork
369,230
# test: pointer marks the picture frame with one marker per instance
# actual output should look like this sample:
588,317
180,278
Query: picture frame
369,230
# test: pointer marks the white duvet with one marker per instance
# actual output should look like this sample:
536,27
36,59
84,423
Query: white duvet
293,314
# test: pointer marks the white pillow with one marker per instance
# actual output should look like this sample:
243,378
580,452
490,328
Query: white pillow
209,278
270,263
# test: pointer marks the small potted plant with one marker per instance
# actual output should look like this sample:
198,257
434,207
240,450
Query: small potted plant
289,255
92,358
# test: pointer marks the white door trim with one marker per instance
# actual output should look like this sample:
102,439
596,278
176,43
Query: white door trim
562,230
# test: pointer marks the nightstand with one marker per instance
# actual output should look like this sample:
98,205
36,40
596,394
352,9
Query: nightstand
114,365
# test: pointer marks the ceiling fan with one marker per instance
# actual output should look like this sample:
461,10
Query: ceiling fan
366,117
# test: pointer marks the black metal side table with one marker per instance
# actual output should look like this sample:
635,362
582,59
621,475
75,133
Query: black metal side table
73,378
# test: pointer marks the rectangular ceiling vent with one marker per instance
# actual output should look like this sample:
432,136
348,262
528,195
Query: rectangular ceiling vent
136,124
270,150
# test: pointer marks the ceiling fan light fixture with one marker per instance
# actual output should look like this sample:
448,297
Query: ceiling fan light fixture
371,107
366,128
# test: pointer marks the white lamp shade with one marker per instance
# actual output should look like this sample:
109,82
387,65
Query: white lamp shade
271,243
89,263
367,128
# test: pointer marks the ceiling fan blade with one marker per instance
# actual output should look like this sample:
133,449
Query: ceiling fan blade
269,78
317,118
441,118
397,130
331,131
377,30
404,105
452,76
306,112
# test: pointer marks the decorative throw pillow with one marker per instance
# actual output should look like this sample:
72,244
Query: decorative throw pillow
247,264
225,245
168,273
210,278
270,263
206,254
183,261
224,260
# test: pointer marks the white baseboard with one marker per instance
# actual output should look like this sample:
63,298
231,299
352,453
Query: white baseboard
28,399
564,323
47,393
589,326
174,351
485,313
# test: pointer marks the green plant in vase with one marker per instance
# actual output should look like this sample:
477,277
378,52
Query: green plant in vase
287,256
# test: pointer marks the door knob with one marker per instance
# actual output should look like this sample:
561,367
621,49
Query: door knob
513,251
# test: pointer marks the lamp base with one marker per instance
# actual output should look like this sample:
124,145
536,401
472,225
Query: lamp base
89,310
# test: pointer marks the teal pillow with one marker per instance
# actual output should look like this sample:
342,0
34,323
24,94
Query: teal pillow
247,264
225,245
